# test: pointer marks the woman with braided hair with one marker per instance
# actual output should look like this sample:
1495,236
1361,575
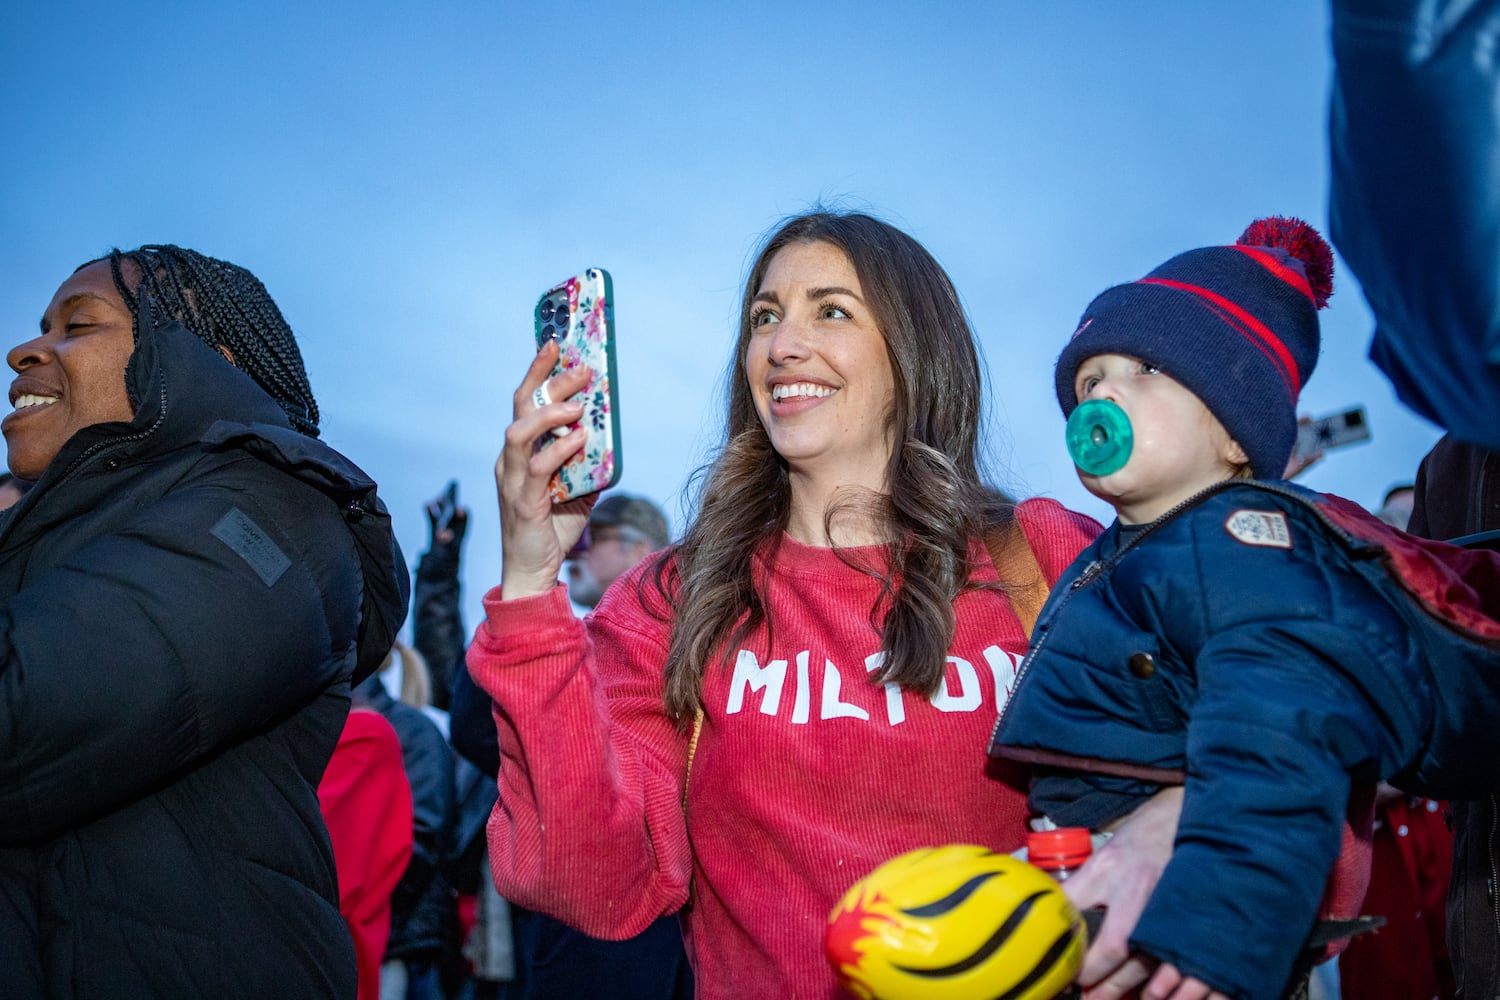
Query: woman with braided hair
186,592
229,309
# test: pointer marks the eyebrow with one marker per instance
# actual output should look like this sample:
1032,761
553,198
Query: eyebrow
812,294
823,293
69,302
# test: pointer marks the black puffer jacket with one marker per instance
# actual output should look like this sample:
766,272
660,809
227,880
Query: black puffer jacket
1458,494
183,602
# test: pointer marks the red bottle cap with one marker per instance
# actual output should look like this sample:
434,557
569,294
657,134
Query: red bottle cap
1064,847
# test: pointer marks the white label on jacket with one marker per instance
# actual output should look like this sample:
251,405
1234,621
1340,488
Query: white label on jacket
1259,527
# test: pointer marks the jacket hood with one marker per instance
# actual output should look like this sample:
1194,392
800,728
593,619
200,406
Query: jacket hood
184,391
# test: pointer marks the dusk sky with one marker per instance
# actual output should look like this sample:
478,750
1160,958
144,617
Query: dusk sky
406,179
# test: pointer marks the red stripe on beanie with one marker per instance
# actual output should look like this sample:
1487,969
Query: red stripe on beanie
1290,275
1232,321
1249,327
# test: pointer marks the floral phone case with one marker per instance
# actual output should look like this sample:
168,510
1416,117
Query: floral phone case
579,315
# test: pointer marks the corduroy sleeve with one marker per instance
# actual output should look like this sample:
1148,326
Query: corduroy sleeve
589,825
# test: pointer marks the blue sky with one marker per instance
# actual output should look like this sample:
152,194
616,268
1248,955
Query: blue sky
406,179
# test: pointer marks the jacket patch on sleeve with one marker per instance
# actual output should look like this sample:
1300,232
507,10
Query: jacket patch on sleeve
236,530
1259,527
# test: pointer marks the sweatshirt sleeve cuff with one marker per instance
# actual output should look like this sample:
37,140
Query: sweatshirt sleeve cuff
525,615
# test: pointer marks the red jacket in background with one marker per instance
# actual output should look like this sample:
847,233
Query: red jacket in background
1407,959
366,803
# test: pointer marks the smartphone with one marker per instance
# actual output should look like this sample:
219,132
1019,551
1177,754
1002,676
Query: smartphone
579,314
1333,431
446,507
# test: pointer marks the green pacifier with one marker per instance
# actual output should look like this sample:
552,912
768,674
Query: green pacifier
1099,437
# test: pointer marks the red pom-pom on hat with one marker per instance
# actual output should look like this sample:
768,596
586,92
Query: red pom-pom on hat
1301,241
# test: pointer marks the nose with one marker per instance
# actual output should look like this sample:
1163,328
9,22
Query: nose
788,342
24,356
1105,388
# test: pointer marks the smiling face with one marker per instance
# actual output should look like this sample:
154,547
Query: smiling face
73,375
1179,446
818,370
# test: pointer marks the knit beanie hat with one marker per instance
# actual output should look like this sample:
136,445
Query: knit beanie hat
1236,325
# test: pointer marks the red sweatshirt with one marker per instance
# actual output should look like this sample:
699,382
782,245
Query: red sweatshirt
807,776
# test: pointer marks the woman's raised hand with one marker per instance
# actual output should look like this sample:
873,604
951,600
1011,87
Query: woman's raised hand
535,534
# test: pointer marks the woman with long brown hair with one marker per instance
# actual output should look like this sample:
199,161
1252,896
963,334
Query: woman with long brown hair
804,687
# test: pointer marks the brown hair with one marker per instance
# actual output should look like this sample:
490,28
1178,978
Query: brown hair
935,501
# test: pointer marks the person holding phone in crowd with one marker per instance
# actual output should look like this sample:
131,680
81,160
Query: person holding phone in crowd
186,591
804,687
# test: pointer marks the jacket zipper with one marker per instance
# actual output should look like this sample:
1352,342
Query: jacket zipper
1096,568
1490,895
98,448
111,443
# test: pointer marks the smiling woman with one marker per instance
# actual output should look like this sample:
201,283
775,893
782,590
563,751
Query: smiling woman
186,591
831,638
73,375
818,370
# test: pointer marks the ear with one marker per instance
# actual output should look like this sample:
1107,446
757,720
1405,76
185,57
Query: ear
1234,454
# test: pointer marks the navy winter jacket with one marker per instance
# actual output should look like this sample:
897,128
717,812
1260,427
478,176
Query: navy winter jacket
1257,641
183,602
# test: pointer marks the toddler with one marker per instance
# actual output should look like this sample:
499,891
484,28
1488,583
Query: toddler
1270,647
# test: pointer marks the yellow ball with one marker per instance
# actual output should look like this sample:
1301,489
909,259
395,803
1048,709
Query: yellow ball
955,923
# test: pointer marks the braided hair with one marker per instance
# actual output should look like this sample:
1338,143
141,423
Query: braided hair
228,309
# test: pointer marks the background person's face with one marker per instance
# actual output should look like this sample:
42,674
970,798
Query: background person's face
71,376
610,554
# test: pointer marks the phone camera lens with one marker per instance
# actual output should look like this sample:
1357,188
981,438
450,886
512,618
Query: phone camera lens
544,311
549,332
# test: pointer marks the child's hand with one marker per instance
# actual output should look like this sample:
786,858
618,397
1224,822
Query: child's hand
1169,984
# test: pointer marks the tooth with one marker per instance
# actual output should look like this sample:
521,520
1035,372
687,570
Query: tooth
800,389
31,400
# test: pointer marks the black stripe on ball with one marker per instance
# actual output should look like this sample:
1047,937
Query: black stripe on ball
952,900
1043,967
996,941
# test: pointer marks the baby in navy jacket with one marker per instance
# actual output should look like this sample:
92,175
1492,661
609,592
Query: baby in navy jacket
1273,649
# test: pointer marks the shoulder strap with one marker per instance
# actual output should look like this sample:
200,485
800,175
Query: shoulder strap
692,749
1019,572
